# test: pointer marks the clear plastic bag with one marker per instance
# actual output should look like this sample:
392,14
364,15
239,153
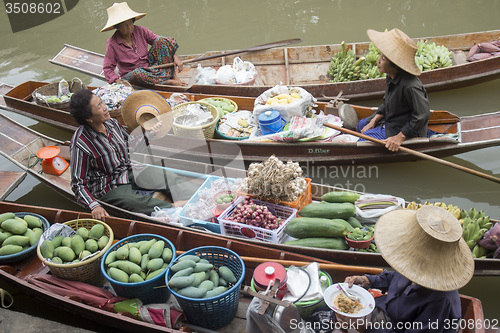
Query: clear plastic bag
205,75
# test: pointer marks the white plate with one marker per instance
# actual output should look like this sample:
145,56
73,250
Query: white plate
365,298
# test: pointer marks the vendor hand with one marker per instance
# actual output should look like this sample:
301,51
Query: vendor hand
359,280
394,142
176,82
178,64
367,127
99,213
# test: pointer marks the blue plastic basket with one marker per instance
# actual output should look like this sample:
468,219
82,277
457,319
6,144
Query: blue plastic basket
29,251
150,291
215,312
188,221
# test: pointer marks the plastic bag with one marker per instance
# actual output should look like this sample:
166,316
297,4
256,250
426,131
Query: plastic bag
371,215
238,73
300,107
166,315
167,214
114,94
205,75
63,89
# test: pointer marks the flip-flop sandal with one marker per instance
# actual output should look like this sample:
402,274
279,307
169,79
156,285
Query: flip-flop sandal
5,296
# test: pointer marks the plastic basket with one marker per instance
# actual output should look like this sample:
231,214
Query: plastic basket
303,200
231,228
29,251
188,221
147,291
87,271
215,312
208,129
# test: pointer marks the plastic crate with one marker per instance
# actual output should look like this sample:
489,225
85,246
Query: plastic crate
231,228
302,201
215,312
207,224
149,291
29,251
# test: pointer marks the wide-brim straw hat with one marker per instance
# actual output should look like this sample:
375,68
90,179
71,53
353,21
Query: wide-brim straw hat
425,246
145,108
118,13
398,47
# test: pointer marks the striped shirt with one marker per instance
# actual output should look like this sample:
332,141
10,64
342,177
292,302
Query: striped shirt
125,57
99,162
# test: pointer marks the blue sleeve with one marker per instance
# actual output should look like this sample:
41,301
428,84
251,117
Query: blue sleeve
381,281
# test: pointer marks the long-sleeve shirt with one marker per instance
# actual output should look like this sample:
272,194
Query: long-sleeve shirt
127,58
405,106
413,306
99,162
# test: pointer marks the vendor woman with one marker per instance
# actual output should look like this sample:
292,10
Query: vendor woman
127,49
405,111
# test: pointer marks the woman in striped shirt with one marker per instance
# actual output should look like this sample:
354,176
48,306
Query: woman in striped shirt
102,170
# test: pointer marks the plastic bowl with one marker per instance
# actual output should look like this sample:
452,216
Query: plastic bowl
358,244
223,206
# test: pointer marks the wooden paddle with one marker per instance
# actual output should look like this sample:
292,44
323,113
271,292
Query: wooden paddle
254,48
416,153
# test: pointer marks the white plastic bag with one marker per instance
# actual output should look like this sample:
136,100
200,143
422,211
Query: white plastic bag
299,107
372,215
240,72
205,75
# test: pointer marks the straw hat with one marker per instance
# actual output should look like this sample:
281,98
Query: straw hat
425,246
398,47
145,108
118,13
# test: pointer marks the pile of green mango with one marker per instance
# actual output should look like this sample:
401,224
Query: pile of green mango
18,234
76,248
196,277
138,261
223,105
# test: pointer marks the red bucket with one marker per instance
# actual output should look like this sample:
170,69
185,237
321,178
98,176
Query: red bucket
267,272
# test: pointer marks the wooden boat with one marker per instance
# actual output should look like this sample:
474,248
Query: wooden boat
307,66
20,142
16,273
472,132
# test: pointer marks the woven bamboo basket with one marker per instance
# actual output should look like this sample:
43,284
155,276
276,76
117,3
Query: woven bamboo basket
205,131
89,270
52,89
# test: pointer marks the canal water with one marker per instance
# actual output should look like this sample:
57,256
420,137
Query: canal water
204,25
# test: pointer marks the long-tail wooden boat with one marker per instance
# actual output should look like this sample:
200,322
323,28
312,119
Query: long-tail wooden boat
19,142
17,273
471,132
307,66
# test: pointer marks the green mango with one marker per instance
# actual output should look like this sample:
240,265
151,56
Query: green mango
57,241
77,244
96,231
66,253
10,249
47,249
83,232
91,245
33,221
102,242
17,240
15,226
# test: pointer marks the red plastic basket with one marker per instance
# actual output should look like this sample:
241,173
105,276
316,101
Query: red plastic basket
231,228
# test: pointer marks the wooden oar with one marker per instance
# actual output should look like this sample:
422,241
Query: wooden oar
416,153
254,48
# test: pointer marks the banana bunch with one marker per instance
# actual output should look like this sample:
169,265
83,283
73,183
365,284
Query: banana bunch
474,227
479,252
454,210
431,56
345,67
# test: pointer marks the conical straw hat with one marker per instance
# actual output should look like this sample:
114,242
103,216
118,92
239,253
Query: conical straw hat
118,13
145,108
425,246
398,47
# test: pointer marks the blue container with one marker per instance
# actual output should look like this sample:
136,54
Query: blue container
149,291
215,312
29,251
270,122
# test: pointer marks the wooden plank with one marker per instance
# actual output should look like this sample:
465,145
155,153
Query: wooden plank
84,61
9,180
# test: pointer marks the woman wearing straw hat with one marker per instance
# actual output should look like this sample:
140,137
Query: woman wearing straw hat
431,261
405,111
100,165
127,49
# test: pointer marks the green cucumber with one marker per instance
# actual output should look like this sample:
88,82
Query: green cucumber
333,243
328,210
340,196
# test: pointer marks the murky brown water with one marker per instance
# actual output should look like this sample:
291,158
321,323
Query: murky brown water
203,25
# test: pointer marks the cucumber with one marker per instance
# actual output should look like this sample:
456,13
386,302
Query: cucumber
340,196
328,210
305,227
333,243
354,222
